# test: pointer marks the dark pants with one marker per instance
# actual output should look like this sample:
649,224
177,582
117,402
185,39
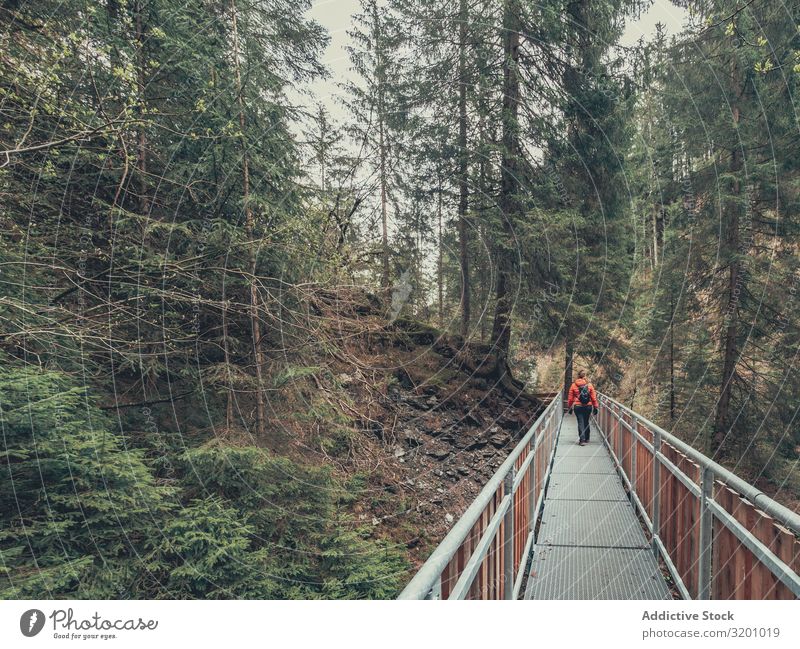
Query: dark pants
582,413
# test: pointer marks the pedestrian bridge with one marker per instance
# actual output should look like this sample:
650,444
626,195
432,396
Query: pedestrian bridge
635,514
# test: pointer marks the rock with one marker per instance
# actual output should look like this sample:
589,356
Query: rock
412,441
499,440
399,452
345,379
445,348
375,521
416,403
509,423
472,419
432,401
438,455
463,470
477,444
449,518
376,428
438,473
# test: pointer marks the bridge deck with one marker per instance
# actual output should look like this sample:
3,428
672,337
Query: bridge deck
590,544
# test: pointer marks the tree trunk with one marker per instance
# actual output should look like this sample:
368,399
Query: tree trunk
485,291
141,84
509,183
569,354
382,152
226,349
385,274
463,163
483,284
112,17
722,419
671,355
440,261
655,236
255,327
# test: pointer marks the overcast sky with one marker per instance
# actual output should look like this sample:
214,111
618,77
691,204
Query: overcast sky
336,17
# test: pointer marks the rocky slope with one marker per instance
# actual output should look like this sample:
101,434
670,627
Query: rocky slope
423,420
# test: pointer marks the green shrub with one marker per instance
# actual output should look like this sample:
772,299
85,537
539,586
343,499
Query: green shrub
295,514
206,552
76,506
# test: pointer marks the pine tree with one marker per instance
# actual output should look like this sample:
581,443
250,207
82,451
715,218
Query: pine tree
79,505
733,140
378,110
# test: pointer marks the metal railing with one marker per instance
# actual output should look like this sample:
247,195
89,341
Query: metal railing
485,553
720,537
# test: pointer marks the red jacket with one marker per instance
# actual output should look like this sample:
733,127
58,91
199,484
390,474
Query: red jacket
574,392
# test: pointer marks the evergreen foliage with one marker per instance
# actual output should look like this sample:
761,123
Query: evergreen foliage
190,246
79,508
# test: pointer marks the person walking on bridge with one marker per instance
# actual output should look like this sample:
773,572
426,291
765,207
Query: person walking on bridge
583,400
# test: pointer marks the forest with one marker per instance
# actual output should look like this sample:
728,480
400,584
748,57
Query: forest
255,347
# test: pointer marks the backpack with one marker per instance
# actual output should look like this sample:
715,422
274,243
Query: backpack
583,394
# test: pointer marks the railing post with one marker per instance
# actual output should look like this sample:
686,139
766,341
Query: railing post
601,415
624,432
436,591
634,447
508,538
706,530
656,517
532,482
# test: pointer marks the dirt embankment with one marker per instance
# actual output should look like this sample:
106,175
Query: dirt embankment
424,420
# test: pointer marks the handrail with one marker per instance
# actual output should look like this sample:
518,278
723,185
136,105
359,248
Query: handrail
699,514
482,555
430,574
786,516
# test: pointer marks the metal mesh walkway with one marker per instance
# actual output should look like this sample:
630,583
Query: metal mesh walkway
590,544
717,536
